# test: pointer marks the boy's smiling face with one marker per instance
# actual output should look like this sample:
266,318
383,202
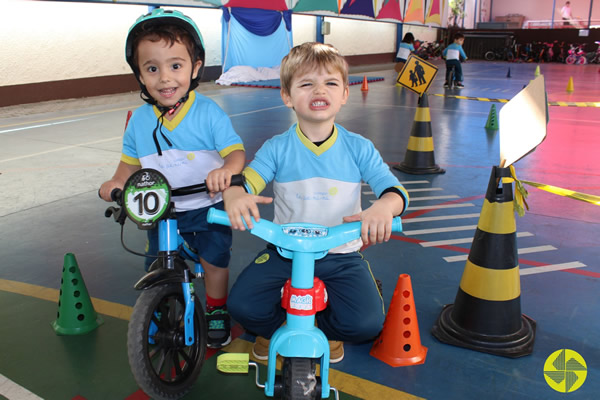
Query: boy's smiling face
166,70
316,95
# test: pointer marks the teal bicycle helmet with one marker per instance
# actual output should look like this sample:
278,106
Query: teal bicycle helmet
160,16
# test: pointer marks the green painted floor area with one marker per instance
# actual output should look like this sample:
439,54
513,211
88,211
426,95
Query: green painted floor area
93,366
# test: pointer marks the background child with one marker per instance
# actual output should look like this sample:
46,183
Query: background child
404,50
317,168
188,138
453,54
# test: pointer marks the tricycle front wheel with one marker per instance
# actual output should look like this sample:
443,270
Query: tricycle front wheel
300,379
161,363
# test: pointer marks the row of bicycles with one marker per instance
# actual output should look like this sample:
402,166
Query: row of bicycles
541,52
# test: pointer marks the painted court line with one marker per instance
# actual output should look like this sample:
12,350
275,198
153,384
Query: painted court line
550,268
441,207
525,250
440,218
450,242
450,196
13,391
440,230
61,149
42,125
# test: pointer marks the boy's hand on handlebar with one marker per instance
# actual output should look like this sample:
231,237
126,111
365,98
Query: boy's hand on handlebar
218,180
241,206
377,219
107,188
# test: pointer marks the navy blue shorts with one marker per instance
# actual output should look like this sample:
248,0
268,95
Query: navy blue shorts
211,241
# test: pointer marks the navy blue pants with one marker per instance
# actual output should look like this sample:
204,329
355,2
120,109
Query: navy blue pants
355,312
458,75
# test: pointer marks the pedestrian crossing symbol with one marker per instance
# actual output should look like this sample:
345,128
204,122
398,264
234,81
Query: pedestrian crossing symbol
417,74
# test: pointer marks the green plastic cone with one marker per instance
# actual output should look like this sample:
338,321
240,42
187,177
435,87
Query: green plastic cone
492,121
76,314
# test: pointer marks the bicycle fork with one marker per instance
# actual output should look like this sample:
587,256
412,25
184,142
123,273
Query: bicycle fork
169,243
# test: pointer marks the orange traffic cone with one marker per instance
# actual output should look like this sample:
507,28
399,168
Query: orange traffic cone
365,85
399,344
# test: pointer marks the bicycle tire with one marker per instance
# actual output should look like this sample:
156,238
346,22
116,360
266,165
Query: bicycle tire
489,56
510,56
300,380
571,60
151,354
582,61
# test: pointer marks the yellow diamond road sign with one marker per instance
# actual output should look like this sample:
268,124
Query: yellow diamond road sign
417,74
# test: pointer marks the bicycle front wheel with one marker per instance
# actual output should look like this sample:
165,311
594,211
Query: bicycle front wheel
489,56
161,363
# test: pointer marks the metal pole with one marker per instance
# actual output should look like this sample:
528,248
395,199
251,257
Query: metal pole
553,10
398,37
475,15
320,36
463,18
590,15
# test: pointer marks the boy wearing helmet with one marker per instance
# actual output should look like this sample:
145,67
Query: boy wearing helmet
189,139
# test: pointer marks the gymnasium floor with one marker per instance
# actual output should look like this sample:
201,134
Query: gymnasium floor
55,155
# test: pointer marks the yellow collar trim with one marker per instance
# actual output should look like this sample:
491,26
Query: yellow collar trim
318,150
172,124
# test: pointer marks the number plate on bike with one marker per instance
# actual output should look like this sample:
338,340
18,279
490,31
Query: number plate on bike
146,197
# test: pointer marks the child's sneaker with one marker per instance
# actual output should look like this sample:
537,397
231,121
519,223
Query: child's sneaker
260,350
446,85
459,85
336,351
219,328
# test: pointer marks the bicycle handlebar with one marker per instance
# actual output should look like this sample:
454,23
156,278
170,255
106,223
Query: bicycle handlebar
301,237
236,180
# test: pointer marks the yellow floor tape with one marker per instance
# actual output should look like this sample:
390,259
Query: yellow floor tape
550,103
589,198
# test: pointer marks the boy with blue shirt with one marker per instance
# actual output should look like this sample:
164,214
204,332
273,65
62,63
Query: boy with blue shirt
189,139
454,54
316,168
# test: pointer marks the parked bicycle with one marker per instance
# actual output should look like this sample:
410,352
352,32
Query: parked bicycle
500,54
167,335
576,55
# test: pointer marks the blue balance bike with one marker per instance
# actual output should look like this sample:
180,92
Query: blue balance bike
298,341
166,338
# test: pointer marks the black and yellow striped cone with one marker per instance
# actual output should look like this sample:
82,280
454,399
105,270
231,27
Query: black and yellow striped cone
419,158
486,314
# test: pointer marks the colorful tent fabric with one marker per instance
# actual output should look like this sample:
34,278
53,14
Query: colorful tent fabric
434,13
246,33
359,7
279,5
414,11
317,5
390,10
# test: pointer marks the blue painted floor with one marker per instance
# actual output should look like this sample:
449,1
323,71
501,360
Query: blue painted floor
55,156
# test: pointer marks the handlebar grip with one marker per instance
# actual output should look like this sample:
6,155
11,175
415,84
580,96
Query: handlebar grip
238,180
396,224
115,194
220,217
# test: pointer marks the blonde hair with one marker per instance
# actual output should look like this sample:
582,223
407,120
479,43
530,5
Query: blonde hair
308,56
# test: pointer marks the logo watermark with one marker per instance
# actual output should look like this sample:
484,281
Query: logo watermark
565,370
